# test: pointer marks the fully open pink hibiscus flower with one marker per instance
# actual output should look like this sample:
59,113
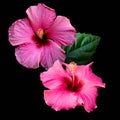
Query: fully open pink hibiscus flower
71,86
39,37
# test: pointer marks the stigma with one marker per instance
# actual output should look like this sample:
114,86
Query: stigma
72,66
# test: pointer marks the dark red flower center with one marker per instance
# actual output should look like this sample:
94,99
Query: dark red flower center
74,85
41,37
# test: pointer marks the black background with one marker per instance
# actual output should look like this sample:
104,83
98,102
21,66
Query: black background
22,91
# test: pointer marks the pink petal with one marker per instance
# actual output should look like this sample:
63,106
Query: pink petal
41,16
85,73
54,77
21,32
59,99
87,98
91,82
62,31
28,55
51,53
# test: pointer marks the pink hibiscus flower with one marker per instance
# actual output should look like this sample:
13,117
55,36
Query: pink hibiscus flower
70,86
39,37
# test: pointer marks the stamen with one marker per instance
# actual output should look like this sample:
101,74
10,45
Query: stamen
40,33
72,66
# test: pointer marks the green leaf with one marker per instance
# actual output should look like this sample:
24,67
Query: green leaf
83,48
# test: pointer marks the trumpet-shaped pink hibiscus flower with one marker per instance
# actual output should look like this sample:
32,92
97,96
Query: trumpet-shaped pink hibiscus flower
75,85
38,37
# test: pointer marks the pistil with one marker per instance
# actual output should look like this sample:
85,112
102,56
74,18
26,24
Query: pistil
72,66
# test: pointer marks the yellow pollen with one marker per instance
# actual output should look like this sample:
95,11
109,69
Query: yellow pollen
40,33
72,66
